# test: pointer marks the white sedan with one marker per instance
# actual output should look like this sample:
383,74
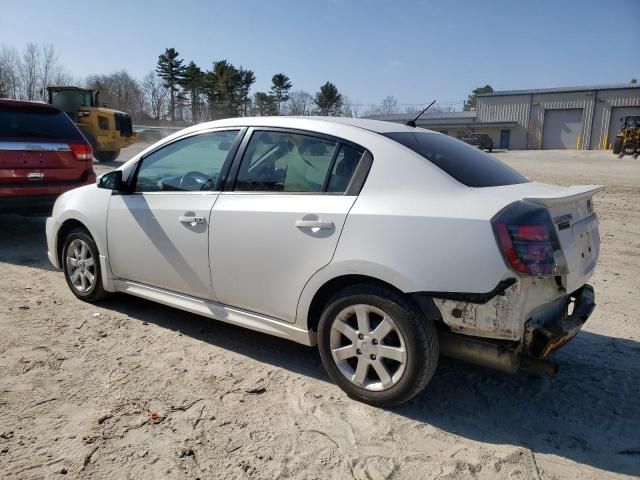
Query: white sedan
385,245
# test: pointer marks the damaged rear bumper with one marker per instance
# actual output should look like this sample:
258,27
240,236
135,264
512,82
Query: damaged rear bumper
543,338
551,327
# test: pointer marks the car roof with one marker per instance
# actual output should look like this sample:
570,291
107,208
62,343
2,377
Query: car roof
7,102
376,126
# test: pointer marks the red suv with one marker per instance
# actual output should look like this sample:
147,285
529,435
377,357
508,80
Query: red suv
42,154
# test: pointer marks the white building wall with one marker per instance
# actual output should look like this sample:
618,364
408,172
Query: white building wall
608,99
508,108
528,111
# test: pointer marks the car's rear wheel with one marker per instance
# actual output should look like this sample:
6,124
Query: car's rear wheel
81,263
376,346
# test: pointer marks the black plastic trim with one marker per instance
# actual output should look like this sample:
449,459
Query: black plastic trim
472,297
360,175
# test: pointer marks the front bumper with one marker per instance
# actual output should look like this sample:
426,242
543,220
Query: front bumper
547,337
51,231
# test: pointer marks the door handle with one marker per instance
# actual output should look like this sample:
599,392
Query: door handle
192,220
321,224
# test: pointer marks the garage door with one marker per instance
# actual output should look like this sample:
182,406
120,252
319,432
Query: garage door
615,124
561,128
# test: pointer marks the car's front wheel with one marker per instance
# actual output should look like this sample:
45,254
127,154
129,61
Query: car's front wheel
81,263
376,346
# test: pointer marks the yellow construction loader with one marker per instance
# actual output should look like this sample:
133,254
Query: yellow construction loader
108,130
627,142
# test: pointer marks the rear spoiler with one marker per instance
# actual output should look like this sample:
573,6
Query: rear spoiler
569,194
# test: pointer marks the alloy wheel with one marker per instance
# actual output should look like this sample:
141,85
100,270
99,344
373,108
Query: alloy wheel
368,347
80,265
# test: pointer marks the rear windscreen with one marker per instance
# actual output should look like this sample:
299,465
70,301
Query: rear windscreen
467,164
37,123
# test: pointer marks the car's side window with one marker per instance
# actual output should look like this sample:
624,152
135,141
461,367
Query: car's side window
192,164
285,162
345,165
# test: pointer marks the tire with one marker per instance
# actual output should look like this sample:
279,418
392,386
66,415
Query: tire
617,146
630,148
86,284
411,333
106,156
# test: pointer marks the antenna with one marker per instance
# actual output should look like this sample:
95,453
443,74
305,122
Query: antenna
412,123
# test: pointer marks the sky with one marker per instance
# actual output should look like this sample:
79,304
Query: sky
414,50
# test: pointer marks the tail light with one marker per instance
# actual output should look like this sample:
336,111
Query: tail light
528,240
82,151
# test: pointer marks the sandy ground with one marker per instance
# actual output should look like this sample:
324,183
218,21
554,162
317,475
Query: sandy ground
132,389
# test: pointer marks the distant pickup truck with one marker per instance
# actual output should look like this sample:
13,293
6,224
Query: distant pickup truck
480,140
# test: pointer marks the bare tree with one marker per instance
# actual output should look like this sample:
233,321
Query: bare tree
50,71
347,108
300,103
389,105
118,90
29,71
373,110
155,94
355,108
9,71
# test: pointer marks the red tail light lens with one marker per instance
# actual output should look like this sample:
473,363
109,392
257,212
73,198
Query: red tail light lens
528,240
82,151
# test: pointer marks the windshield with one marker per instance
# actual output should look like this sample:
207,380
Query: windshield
632,122
71,100
465,163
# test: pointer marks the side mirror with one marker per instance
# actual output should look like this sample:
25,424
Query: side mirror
112,181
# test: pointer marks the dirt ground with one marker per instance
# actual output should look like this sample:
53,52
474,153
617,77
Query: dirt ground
132,389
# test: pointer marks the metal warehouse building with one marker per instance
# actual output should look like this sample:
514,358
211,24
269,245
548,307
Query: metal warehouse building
552,118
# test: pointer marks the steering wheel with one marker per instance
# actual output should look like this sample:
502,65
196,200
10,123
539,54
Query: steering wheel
194,179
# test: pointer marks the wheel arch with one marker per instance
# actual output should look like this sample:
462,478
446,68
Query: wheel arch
68,226
323,286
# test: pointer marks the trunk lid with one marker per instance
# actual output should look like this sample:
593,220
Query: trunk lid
575,222
38,162
35,146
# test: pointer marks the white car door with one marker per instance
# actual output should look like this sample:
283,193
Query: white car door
159,233
280,221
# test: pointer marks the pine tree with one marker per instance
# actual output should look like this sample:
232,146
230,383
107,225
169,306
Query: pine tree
472,99
280,86
224,90
193,82
247,78
264,104
328,100
171,70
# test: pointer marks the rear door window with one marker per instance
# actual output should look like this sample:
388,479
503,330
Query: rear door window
343,169
37,123
467,164
285,162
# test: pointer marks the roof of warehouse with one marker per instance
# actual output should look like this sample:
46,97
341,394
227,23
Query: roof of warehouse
584,88
399,117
